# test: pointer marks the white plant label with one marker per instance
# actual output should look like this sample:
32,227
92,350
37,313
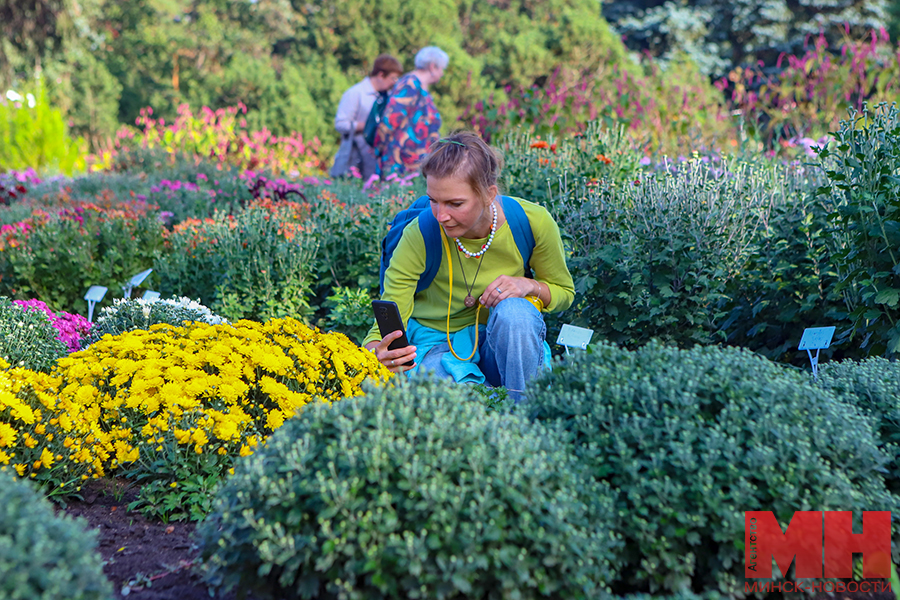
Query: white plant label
571,336
94,295
816,338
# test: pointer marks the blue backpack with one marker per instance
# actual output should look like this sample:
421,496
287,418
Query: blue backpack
431,233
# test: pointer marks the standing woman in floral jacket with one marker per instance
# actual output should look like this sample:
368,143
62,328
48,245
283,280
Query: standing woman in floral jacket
411,121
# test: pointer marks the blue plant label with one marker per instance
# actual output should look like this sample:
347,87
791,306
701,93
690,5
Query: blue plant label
574,337
150,295
816,338
139,278
95,293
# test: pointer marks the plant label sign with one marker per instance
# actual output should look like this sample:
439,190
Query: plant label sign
94,295
139,278
816,338
574,337
150,295
135,281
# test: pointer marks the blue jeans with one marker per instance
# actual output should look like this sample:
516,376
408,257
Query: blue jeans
512,349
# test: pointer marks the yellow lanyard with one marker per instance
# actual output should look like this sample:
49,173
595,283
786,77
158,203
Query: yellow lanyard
450,302
538,303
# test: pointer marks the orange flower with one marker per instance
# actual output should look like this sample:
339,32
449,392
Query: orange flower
604,159
540,144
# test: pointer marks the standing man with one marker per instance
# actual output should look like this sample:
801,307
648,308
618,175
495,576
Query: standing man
354,109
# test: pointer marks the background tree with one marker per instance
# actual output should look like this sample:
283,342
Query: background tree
721,34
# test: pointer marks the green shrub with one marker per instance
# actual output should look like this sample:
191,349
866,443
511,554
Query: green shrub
137,313
544,170
28,338
250,266
44,556
349,231
33,134
873,385
787,283
657,257
411,491
690,439
350,312
862,167
67,251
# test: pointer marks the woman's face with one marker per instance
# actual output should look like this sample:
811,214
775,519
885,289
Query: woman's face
458,209
436,72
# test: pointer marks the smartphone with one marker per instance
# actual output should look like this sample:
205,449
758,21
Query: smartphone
388,317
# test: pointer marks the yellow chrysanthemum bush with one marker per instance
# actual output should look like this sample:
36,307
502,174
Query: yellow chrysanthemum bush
41,437
175,405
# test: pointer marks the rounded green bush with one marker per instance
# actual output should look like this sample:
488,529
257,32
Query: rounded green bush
690,439
136,313
44,556
873,385
411,491
28,338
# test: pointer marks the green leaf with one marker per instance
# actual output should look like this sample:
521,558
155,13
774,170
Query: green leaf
888,296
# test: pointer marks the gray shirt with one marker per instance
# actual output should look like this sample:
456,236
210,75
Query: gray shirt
355,106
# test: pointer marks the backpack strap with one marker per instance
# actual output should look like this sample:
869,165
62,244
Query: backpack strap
521,229
431,233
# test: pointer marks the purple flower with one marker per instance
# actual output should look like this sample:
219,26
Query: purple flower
71,327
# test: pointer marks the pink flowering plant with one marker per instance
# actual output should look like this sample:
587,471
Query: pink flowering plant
809,95
72,328
221,136
657,114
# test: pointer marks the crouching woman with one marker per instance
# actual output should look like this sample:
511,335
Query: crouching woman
501,266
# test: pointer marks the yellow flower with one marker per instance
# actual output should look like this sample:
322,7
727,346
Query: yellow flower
275,419
199,437
182,436
20,469
47,458
7,436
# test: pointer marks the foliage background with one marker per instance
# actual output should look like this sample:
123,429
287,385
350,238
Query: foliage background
719,35
289,62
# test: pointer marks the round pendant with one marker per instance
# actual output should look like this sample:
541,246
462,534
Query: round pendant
469,301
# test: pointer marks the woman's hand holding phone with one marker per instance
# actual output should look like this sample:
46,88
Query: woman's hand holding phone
398,360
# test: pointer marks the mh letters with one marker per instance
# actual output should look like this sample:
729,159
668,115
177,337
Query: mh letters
819,551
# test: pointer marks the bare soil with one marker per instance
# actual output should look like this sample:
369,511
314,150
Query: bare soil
144,559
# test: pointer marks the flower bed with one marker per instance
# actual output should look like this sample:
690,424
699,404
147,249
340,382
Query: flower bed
171,400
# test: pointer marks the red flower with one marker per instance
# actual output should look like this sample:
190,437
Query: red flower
553,148
604,159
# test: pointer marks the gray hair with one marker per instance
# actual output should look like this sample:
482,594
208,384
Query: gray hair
431,55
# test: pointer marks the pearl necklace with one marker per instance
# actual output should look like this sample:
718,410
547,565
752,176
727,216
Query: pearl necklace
484,248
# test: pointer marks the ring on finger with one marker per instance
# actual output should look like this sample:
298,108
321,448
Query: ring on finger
392,362
498,290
